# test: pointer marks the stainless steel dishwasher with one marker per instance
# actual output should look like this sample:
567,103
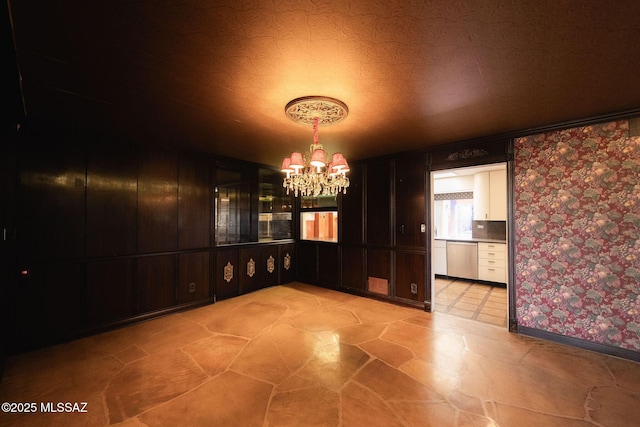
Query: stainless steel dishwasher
462,260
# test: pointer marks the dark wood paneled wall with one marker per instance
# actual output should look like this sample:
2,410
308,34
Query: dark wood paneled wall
194,202
382,236
157,223
112,191
378,202
109,232
51,196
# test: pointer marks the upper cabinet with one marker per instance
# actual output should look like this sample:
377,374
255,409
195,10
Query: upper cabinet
490,195
498,195
251,205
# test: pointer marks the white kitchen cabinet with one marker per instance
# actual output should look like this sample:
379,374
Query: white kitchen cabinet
490,195
481,196
462,260
439,258
492,262
498,195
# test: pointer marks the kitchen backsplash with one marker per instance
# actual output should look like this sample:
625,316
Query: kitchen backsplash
495,230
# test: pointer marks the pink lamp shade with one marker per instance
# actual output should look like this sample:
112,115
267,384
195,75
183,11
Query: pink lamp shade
317,158
338,161
286,166
296,161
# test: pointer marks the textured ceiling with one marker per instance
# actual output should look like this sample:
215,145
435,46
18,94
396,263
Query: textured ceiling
216,75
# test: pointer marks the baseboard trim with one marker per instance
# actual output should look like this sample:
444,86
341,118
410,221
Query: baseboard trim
580,343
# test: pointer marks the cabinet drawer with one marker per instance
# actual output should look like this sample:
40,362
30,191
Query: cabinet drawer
488,262
492,274
492,255
492,247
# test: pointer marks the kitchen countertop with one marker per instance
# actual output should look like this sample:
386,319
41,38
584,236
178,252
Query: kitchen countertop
470,240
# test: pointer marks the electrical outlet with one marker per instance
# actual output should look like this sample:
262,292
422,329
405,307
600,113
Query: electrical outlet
192,287
414,288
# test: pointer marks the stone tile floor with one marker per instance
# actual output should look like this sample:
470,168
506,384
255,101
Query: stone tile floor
299,355
471,300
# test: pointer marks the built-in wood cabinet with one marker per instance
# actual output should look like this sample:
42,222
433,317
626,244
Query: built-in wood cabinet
287,259
227,274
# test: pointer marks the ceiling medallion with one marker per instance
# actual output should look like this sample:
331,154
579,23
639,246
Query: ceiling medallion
327,110
311,175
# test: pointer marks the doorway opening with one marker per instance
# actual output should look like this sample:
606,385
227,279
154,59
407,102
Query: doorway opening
469,274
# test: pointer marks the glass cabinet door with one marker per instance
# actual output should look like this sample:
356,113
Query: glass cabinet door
275,208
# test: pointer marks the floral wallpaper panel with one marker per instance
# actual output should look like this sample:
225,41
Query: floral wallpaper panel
577,201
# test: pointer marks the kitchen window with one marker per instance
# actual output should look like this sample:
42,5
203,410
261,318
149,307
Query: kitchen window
453,215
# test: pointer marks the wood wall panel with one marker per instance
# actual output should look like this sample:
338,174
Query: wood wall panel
111,200
51,197
353,268
378,207
194,202
410,268
351,214
48,305
109,291
307,261
193,268
379,264
410,201
329,264
157,200
156,286
227,289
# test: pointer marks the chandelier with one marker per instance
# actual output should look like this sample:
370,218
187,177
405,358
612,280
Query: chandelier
311,175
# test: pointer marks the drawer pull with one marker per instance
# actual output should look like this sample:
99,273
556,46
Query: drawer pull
491,253
492,269
491,262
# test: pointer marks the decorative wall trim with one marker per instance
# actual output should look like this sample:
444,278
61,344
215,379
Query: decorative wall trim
467,153
251,267
576,342
228,272
454,196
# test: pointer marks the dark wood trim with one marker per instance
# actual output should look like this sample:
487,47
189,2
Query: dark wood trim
580,343
511,239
